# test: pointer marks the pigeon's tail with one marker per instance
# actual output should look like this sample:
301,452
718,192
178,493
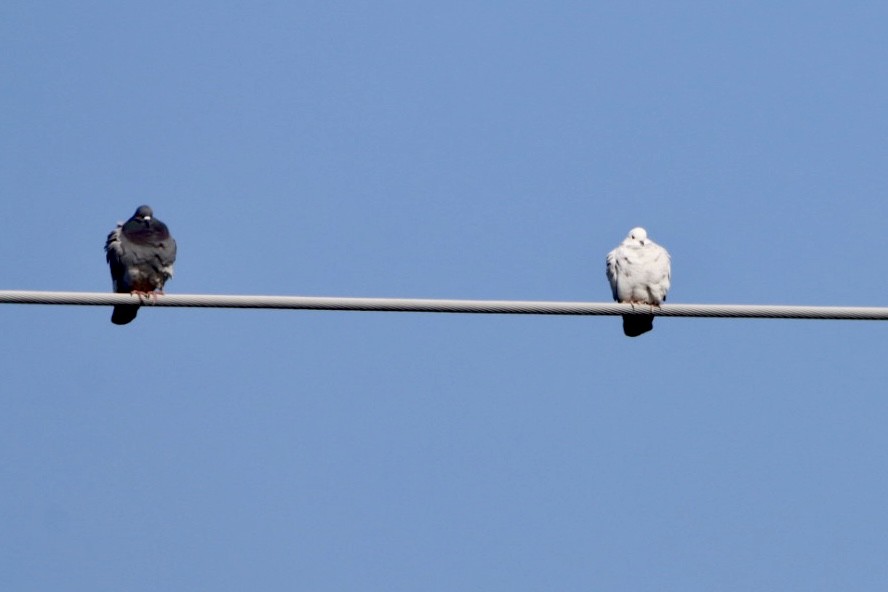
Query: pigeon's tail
635,325
124,313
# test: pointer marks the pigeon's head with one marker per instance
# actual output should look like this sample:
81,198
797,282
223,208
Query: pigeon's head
144,213
637,235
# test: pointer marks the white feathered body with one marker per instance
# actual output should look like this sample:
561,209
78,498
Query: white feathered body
639,270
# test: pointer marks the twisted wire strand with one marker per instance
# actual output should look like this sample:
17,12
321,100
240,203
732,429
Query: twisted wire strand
757,311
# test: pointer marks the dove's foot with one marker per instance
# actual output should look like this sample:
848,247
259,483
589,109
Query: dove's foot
147,297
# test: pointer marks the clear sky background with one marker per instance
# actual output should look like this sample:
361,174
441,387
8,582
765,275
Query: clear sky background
445,150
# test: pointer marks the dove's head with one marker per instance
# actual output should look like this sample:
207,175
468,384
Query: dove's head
143,213
637,235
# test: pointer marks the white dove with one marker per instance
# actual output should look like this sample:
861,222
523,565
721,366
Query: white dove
639,272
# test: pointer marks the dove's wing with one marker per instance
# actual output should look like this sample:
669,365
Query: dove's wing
612,271
659,273
116,260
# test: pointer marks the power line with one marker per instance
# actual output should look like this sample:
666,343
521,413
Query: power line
755,311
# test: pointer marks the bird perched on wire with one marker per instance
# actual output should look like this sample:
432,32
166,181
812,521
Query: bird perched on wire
639,272
141,253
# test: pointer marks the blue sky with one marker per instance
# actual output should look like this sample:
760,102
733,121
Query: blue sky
445,150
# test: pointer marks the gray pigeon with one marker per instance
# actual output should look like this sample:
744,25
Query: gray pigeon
141,253
639,272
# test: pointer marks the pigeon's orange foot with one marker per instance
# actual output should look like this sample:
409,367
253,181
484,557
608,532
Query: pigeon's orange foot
144,297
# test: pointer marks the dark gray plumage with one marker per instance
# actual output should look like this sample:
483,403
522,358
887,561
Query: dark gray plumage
141,253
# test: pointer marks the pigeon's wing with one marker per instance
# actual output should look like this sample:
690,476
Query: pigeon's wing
116,257
167,252
612,271
120,260
661,269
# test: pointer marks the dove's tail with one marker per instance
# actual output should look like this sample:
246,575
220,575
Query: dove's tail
123,314
635,325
